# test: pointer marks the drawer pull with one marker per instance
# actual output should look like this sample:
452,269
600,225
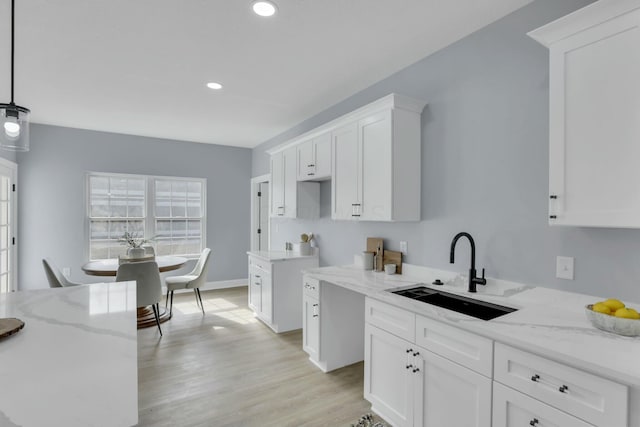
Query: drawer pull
409,366
316,315
563,389
535,378
533,422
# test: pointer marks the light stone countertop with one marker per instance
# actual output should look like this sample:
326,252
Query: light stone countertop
549,322
75,361
272,256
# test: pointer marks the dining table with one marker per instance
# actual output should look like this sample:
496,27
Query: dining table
109,267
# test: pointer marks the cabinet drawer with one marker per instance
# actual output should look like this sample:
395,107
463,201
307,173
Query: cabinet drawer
514,409
260,264
589,397
467,349
311,287
392,319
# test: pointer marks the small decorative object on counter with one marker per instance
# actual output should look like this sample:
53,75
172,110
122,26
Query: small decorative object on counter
375,245
10,326
367,260
390,269
305,244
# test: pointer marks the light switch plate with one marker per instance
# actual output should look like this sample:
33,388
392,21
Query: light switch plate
403,247
564,267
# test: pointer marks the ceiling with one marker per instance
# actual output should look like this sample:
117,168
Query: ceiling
140,66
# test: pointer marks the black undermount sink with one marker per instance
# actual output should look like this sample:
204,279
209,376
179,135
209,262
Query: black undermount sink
478,309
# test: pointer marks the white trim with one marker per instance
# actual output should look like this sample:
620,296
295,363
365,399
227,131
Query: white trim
255,182
221,284
391,101
13,226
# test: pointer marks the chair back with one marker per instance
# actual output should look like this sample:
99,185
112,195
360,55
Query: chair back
147,277
200,270
54,276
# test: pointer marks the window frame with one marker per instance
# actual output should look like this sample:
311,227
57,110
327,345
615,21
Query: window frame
149,218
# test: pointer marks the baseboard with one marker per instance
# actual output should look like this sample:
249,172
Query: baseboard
222,284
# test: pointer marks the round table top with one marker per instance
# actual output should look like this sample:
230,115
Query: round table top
109,267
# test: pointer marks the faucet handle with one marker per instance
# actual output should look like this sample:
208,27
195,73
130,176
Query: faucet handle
483,272
483,281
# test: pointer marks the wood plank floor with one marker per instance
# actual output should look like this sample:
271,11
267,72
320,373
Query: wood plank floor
227,369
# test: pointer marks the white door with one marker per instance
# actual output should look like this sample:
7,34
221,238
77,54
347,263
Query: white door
8,226
443,387
311,327
322,147
389,376
375,177
345,202
290,182
277,185
594,179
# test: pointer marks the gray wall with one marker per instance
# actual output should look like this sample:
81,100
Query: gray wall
484,168
52,195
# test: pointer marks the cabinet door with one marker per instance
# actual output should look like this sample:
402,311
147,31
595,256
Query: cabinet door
306,161
255,292
375,155
514,409
594,177
344,185
322,155
290,182
311,327
277,185
443,388
266,298
388,376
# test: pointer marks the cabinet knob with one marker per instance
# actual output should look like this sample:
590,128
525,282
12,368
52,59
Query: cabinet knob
409,366
553,216
563,389
310,174
417,353
310,166
409,350
553,196
416,370
533,422
315,315
535,378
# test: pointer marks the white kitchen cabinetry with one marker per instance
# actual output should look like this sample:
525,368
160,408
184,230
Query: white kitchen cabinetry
314,158
274,290
334,338
594,124
410,385
375,164
546,383
290,198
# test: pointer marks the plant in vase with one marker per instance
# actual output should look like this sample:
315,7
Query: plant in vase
134,242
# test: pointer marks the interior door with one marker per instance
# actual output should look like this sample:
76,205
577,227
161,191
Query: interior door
8,226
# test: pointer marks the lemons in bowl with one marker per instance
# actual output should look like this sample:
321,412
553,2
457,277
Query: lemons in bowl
612,315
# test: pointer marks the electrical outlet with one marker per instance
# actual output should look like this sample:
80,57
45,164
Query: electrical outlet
66,272
403,247
564,267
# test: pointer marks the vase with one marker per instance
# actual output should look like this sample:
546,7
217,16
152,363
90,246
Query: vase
135,252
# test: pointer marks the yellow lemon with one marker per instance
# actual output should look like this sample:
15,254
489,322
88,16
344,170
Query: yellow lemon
627,314
613,304
600,307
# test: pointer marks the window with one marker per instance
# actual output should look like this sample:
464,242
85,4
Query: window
169,210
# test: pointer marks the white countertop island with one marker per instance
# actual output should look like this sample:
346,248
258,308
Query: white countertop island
75,361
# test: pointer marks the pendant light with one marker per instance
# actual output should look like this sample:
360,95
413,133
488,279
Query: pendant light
14,133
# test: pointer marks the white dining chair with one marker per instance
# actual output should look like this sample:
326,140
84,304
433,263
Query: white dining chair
148,284
54,275
193,280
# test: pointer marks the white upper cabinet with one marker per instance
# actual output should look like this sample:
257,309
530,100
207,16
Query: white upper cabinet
314,158
289,198
345,196
594,125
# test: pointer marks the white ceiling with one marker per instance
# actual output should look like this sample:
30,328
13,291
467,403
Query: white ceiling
140,66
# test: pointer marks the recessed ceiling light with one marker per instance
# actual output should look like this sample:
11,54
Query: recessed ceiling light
264,8
214,85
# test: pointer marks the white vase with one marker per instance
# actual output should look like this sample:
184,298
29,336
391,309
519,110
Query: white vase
135,252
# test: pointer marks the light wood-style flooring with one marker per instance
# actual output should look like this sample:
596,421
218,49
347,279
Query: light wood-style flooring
227,369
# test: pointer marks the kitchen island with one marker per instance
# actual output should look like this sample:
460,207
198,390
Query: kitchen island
75,361
549,337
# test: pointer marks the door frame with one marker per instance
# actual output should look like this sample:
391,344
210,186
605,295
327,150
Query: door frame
255,212
13,203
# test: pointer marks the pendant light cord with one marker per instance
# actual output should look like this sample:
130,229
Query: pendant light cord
13,17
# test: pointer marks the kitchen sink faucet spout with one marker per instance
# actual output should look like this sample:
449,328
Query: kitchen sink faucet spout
473,280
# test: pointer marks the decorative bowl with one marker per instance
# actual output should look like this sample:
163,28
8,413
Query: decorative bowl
616,325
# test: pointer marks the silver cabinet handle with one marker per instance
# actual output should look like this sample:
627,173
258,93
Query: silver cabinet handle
563,389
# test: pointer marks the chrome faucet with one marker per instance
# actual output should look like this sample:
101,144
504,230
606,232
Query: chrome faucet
473,280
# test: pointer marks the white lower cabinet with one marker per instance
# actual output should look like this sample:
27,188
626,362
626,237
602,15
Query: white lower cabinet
408,385
260,294
514,409
311,326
